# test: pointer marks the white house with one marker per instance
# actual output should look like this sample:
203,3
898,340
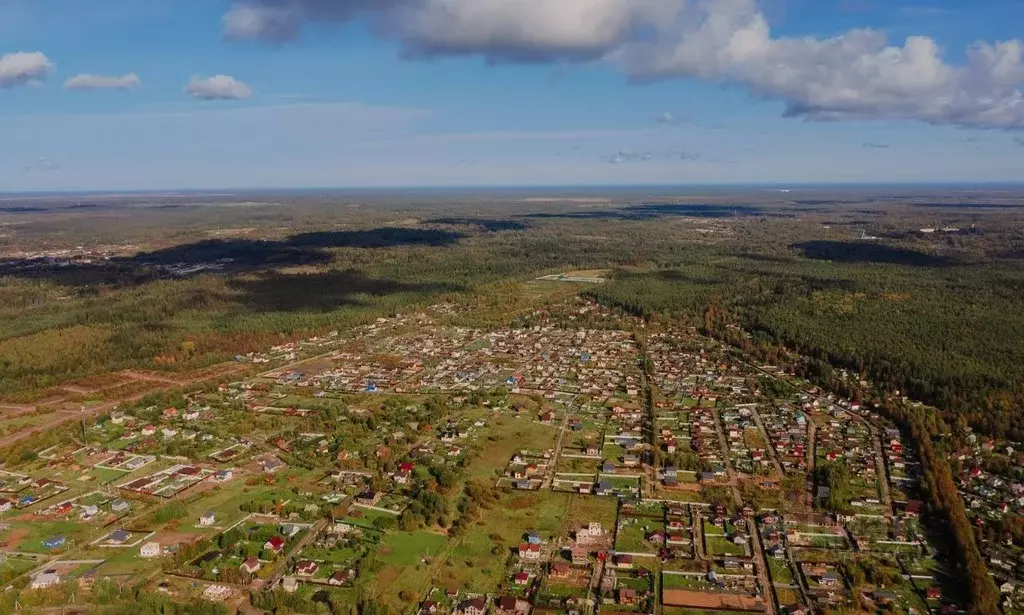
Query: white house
207,519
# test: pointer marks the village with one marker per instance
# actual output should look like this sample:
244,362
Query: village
570,462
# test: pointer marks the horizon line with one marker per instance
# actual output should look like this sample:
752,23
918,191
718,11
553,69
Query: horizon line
781,186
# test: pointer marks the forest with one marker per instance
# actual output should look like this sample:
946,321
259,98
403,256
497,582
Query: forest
935,314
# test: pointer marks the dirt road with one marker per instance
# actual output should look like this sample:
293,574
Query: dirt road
63,416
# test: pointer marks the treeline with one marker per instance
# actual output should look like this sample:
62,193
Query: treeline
946,336
945,501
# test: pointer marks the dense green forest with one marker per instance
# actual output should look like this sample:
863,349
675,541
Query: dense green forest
936,315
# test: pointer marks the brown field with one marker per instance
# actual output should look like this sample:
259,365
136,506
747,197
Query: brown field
14,537
708,600
97,382
166,538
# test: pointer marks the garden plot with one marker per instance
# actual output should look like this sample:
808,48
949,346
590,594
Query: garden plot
122,538
725,538
124,462
96,508
22,491
170,482
526,470
230,453
816,536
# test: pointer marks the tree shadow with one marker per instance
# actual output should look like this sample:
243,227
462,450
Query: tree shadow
377,238
219,256
869,252
324,292
683,277
490,225
658,210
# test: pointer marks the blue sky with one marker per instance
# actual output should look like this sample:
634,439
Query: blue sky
509,92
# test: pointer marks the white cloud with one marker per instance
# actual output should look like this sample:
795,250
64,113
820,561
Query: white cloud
280,21
130,81
24,68
499,30
855,75
525,30
218,87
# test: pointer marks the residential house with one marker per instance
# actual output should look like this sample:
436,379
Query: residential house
626,596
47,578
369,497
250,565
580,556
510,605
306,568
275,544
529,551
429,607
473,606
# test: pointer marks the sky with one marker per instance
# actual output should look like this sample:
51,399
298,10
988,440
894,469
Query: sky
211,94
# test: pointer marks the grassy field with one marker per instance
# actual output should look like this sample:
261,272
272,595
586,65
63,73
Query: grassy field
780,571
29,536
477,562
408,548
104,475
718,545
631,536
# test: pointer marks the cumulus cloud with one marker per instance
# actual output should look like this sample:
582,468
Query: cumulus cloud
282,21
499,30
858,74
218,87
525,30
130,81
24,68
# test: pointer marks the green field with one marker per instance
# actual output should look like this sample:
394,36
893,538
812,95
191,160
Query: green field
408,548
